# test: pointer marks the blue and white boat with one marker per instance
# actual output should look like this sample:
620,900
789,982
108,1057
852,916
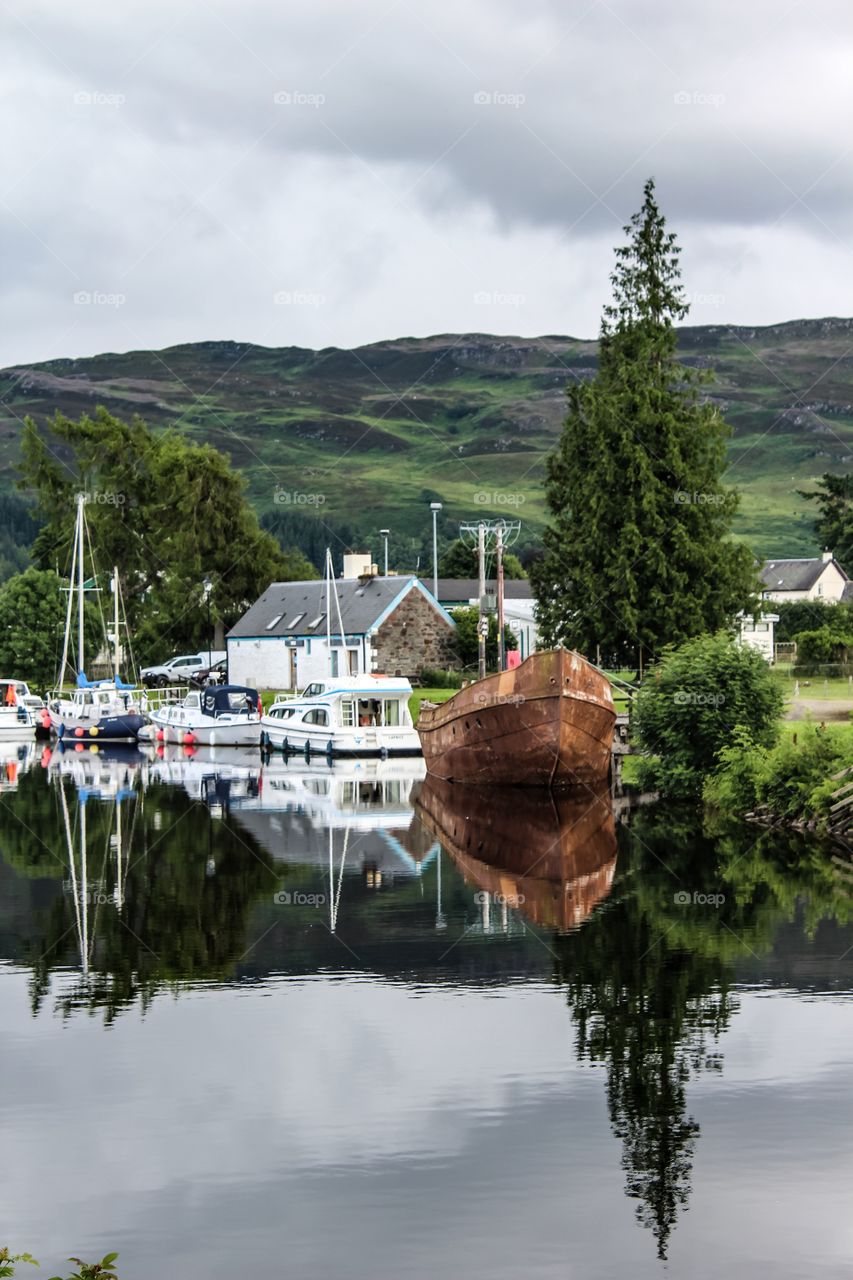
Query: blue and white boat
219,715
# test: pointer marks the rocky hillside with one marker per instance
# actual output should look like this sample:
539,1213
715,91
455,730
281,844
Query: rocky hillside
366,438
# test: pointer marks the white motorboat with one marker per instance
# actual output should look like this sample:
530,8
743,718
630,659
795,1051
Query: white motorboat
17,717
220,715
353,716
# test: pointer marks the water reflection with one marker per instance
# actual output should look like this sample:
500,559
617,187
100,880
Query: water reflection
124,874
551,855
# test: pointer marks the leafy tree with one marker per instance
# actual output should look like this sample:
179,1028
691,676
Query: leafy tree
467,638
32,625
460,561
637,555
834,525
166,511
693,704
822,645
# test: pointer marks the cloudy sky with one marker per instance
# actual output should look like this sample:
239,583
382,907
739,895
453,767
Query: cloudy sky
330,172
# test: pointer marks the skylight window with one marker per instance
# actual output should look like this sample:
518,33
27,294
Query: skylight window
296,621
316,621
276,620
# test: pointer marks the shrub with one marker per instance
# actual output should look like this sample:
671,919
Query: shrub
693,705
437,678
826,644
793,781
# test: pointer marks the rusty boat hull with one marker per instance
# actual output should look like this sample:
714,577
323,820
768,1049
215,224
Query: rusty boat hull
550,854
547,723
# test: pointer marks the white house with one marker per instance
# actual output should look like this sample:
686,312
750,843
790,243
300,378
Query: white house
759,633
391,625
455,593
821,578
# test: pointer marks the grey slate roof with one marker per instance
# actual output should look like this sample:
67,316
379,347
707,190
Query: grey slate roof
452,590
794,575
362,603
847,593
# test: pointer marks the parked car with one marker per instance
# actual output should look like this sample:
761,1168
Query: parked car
180,670
217,674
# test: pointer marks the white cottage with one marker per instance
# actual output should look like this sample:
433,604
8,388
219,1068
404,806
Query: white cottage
391,625
819,578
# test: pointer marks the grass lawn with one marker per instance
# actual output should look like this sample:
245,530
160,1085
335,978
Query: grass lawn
431,695
814,686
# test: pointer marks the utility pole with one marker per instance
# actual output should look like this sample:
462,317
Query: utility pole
499,546
435,507
483,623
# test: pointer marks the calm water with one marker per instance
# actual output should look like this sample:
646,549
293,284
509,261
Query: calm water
308,1023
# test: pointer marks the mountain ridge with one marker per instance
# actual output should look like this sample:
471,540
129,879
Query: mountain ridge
365,436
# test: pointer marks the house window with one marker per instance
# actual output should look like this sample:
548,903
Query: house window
334,662
276,620
391,708
296,621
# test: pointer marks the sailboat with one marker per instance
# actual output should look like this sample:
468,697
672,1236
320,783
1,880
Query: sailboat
94,711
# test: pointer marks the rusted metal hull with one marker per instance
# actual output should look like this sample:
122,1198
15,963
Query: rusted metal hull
547,723
550,854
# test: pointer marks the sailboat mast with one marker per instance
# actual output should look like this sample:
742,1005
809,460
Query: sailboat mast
81,498
116,649
329,608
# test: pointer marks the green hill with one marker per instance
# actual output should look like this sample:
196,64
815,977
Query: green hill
365,438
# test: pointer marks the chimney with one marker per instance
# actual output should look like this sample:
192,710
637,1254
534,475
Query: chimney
357,565
827,556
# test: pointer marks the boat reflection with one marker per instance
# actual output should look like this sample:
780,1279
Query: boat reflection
551,855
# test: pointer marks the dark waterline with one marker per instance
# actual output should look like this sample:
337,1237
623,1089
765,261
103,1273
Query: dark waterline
278,1022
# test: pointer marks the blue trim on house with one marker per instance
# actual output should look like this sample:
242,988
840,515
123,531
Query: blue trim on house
412,584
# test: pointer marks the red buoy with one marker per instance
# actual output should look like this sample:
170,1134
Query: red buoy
160,735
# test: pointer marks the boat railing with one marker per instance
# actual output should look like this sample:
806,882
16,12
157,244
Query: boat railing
156,699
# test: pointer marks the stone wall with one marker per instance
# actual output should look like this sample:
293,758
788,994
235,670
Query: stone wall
415,635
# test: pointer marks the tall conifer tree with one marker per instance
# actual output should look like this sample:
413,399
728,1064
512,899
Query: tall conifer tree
637,554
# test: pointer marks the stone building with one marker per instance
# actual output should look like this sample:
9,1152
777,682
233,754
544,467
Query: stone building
391,626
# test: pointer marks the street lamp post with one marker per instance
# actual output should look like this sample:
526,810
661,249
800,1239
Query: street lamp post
435,507
384,533
208,588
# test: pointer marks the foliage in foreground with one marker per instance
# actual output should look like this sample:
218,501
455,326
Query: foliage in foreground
102,1270
697,702
793,780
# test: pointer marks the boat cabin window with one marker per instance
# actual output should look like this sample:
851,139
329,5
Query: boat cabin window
347,713
313,690
240,702
318,716
391,711
281,713
369,711
192,700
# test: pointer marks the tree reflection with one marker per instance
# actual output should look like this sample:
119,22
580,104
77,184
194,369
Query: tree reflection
155,892
649,978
